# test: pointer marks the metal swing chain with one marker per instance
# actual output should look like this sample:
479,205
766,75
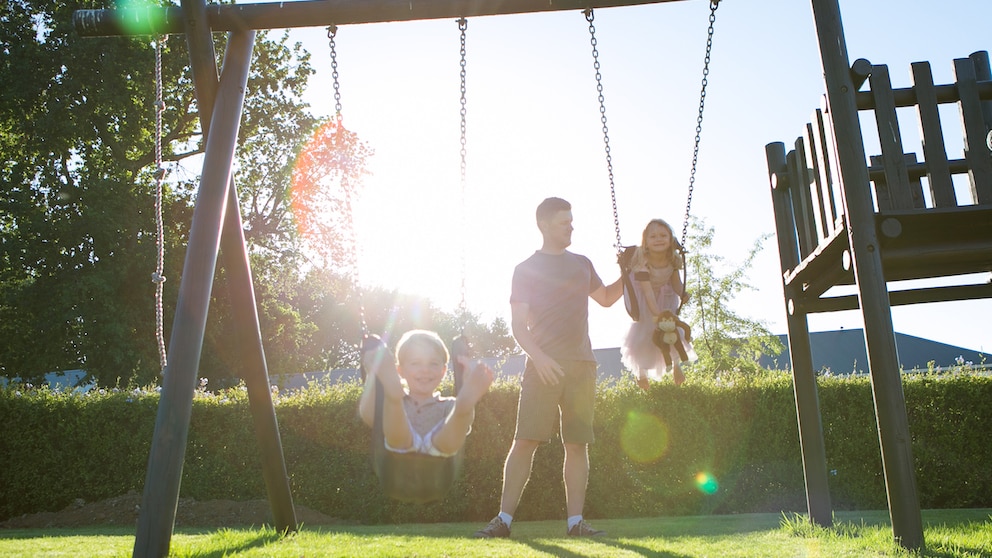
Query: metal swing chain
590,16
349,206
158,277
463,306
332,31
714,4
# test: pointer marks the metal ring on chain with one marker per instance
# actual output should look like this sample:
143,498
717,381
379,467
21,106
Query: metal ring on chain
590,17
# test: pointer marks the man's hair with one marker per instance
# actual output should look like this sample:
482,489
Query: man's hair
421,337
547,208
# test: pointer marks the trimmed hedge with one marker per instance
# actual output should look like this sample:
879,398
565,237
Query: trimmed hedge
706,447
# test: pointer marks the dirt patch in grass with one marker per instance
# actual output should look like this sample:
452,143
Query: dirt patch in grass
123,510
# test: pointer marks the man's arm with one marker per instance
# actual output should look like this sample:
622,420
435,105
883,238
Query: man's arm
547,368
606,295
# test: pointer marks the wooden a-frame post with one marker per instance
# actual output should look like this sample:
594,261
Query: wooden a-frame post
873,296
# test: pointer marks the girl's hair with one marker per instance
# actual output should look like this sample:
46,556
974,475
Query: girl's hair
674,256
423,337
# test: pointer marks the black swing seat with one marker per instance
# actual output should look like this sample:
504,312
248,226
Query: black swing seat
415,477
626,260
412,477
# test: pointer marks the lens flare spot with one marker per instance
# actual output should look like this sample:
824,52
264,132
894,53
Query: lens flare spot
140,17
644,437
706,483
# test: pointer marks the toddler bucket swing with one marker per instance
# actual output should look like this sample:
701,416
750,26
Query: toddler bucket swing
625,254
411,477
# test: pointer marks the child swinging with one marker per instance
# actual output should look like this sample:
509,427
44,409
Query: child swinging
657,340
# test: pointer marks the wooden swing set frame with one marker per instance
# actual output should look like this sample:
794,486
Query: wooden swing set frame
216,228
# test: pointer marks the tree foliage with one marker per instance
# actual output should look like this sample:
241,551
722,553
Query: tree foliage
724,340
77,201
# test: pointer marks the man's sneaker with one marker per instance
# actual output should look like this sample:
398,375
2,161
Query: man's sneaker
583,529
495,529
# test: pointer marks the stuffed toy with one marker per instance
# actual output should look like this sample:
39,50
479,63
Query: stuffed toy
666,336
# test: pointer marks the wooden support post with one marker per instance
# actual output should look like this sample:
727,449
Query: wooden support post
234,258
165,461
890,404
800,351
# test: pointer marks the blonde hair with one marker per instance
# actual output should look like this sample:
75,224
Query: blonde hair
674,249
422,337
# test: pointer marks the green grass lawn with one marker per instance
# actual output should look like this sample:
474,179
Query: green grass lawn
957,533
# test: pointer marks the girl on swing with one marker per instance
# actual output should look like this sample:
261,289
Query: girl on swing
415,417
655,269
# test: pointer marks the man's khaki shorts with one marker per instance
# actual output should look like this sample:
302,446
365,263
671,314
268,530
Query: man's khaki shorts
570,401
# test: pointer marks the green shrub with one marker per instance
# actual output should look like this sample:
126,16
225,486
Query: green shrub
725,445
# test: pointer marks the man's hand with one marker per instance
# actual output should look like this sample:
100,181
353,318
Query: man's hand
547,369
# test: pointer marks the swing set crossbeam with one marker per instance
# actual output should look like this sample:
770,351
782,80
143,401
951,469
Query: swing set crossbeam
316,13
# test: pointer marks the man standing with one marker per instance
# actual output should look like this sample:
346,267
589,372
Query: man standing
550,320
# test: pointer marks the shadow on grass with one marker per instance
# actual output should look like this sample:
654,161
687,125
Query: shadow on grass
260,539
95,531
560,552
957,552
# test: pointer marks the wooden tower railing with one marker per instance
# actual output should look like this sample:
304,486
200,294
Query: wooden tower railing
930,217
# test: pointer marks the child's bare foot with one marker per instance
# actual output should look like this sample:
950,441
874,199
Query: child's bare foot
678,376
643,383
476,381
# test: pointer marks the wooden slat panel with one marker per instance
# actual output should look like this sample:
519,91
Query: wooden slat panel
913,241
897,193
801,208
973,124
826,171
934,151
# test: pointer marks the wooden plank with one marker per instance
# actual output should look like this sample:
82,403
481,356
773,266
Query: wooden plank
785,224
881,187
902,297
823,268
317,13
906,96
934,151
836,196
820,219
936,242
983,72
973,123
802,210
926,244
895,193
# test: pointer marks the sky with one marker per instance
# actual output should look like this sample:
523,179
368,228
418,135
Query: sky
533,131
